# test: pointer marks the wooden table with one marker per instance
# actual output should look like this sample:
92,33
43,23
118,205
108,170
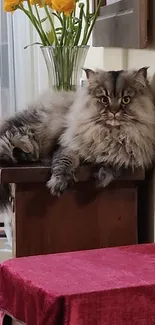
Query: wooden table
83,218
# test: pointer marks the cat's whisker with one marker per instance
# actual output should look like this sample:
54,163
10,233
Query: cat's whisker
145,120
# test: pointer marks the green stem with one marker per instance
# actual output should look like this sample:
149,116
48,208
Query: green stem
85,42
51,22
65,35
70,30
62,40
33,21
58,17
40,24
36,23
86,21
78,34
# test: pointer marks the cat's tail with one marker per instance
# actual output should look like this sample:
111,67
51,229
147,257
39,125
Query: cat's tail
6,210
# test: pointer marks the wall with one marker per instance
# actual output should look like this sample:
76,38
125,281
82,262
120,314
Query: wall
117,58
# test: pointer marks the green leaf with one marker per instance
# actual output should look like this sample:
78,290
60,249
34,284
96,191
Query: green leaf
36,43
76,20
43,20
58,17
59,28
50,36
81,5
91,16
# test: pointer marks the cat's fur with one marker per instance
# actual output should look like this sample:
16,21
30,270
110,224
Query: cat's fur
99,129
90,126
28,136
31,134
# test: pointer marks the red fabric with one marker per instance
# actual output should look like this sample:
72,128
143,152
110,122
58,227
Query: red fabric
1,318
113,286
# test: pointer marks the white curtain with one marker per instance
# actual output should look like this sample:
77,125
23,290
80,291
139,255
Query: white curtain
7,81
22,72
30,70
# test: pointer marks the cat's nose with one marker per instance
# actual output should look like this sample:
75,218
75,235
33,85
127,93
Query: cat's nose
114,110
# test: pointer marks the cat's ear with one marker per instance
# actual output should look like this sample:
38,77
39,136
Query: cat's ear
142,72
89,73
141,75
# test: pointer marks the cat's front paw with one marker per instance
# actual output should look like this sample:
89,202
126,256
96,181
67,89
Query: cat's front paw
6,153
58,184
106,175
26,148
17,148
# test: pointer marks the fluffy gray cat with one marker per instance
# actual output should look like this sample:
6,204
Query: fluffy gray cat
110,122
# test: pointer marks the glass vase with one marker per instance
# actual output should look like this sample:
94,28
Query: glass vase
64,65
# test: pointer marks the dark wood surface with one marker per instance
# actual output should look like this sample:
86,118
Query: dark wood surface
41,173
83,218
80,219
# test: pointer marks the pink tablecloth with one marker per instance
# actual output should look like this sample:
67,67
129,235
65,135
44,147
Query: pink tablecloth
1,317
114,286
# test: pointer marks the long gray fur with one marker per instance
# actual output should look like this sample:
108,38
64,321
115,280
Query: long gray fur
91,125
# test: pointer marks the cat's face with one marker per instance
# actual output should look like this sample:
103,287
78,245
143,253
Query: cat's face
121,96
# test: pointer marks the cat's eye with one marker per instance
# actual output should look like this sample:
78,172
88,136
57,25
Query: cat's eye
125,100
105,100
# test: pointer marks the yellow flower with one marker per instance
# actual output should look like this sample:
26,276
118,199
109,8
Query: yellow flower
36,2
40,3
48,3
11,5
66,6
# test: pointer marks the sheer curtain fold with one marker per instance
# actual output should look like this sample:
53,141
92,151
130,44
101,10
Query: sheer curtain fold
7,82
30,70
22,72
